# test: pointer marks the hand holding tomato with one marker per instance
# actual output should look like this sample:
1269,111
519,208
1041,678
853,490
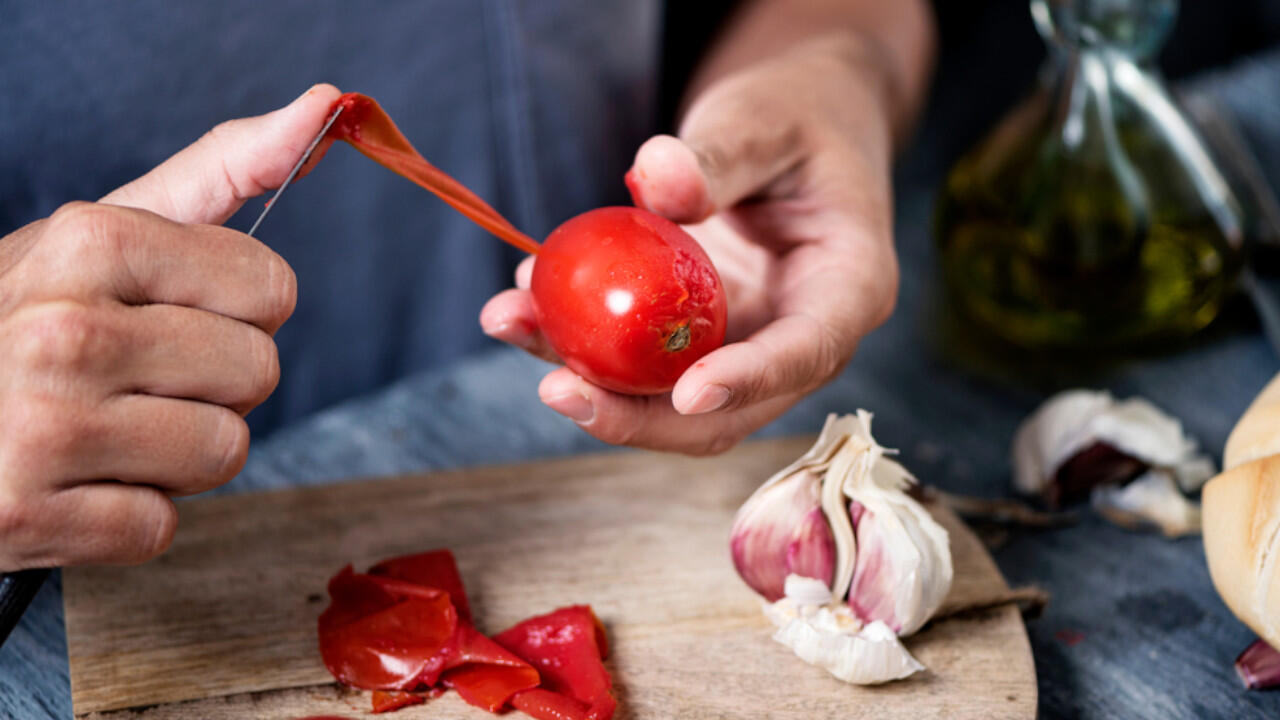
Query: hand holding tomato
782,169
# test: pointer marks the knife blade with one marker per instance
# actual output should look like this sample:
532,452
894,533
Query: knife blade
296,168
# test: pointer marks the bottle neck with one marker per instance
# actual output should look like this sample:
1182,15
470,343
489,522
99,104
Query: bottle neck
1136,29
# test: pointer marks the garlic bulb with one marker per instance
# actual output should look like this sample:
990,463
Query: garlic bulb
1130,457
846,558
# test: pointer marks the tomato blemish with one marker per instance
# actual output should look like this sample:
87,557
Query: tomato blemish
678,340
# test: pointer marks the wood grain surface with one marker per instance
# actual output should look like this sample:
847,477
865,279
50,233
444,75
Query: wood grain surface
223,625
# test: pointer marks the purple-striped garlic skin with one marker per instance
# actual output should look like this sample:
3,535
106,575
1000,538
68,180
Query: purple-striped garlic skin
781,531
903,570
872,594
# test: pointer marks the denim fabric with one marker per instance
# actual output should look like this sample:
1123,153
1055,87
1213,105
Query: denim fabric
537,105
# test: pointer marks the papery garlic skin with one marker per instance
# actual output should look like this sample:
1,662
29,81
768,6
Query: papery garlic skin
1152,498
1053,433
831,637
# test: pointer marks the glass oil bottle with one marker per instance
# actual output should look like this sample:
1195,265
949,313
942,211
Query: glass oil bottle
1093,216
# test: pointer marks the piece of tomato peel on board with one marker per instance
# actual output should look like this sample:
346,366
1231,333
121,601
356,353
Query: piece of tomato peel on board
405,626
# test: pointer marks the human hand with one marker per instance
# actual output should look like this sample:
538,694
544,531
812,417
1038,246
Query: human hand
134,335
783,171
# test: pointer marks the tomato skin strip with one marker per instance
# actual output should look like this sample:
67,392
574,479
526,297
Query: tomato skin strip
398,628
546,705
373,640
567,647
432,569
367,127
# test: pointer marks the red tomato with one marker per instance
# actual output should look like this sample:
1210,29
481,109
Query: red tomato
627,299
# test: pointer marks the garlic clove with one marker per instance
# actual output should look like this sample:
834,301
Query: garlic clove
1080,439
805,591
1151,499
780,531
904,566
1051,432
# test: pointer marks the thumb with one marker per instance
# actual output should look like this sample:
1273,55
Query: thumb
207,181
725,153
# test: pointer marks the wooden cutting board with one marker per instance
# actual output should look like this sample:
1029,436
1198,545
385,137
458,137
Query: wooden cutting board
224,624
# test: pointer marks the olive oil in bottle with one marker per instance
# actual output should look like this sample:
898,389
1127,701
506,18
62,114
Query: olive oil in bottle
1092,216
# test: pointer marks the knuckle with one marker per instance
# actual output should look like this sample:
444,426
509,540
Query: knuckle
221,133
63,335
829,359
79,215
86,227
753,389
622,434
16,518
24,532
624,429
717,444
38,435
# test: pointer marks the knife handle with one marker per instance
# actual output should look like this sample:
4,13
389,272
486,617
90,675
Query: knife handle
16,591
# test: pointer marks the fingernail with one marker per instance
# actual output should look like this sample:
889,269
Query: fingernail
711,397
574,406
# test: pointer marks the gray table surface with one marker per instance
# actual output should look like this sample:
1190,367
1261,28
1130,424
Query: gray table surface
1134,628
